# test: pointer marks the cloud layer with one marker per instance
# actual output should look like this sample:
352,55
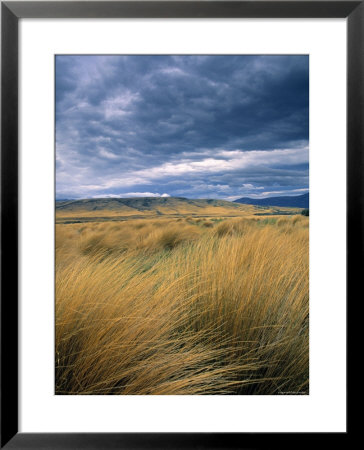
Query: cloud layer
193,126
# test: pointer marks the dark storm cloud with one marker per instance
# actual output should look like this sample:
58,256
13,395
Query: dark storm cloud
198,126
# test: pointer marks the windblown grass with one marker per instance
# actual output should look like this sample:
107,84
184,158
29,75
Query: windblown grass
173,307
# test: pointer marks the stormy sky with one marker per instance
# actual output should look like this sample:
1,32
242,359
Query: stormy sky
220,127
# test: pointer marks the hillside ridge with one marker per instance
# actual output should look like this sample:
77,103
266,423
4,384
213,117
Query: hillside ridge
138,203
293,201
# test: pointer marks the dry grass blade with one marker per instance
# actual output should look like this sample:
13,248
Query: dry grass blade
170,306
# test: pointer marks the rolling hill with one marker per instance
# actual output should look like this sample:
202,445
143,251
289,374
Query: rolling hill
144,204
100,209
147,206
297,201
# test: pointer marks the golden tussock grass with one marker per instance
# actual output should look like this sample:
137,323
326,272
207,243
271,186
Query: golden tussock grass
169,307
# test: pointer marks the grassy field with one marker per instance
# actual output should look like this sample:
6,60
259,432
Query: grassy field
183,304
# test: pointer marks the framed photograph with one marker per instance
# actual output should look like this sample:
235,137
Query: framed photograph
181,221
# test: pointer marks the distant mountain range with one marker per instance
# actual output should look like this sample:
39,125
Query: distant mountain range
296,201
148,205
139,203
99,209
175,203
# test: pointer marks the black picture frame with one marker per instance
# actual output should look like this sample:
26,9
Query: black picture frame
11,12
